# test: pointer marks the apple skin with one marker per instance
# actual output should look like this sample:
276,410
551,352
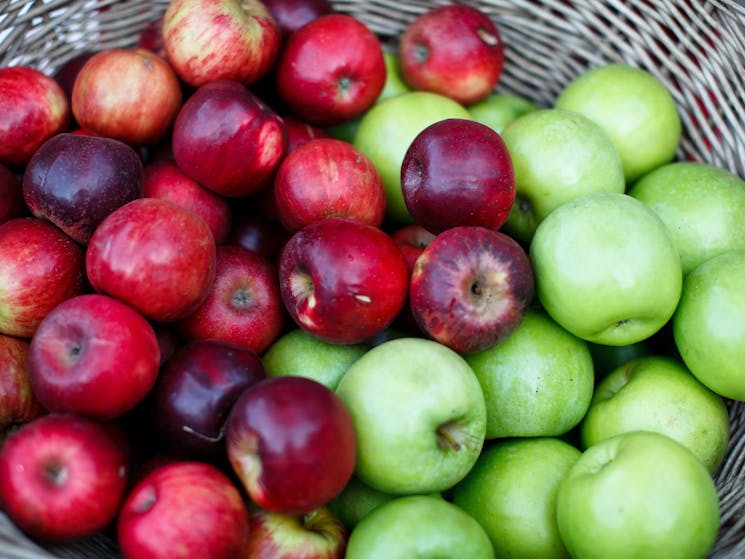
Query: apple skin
455,50
498,109
331,70
12,204
291,442
458,172
63,477
183,509
227,140
291,15
40,267
254,231
341,280
75,181
208,40
639,495
151,38
36,109
470,288
299,132
411,239
18,403
67,72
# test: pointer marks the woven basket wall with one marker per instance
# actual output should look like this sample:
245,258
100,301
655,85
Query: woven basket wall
696,47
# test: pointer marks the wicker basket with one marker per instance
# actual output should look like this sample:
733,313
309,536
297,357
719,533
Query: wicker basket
696,47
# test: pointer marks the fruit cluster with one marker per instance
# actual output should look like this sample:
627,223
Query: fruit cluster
272,287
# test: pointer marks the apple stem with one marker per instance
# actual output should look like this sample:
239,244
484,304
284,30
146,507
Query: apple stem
446,436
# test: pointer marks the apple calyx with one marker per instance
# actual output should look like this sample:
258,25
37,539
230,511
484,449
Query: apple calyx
421,53
145,500
55,472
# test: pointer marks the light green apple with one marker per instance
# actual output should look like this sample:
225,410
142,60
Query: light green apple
299,353
511,491
607,358
638,495
387,129
419,415
636,110
658,393
709,324
557,156
606,268
537,382
702,205
497,110
418,526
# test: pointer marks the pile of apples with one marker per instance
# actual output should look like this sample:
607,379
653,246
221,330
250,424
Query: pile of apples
274,287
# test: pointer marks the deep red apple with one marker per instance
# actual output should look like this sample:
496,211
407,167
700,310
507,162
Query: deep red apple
151,38
299,132
291,441
252,230
412,239
18,403
11,196
341,280
66,74
291,15
470,288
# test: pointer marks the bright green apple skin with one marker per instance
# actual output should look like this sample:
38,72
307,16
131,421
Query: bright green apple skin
557,156
386,130
537,382
638,495
511,491
709,324
299,353
418,526
407,397
634,108
497,110
394,83
606,269
657,393
702,205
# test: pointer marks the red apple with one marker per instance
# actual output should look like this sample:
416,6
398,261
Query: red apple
328,178
291,15
299,132
154,255
291,441
252,230
470,288
412,239
151,38
62,477
455,50
342,281
11,196
66,74
18,403
331,70
40,267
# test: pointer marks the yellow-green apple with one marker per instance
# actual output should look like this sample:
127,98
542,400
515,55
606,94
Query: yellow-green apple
18,403
12,204
356,501
291,15
394,82
499,109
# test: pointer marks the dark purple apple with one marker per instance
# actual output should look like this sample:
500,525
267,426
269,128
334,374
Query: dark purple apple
11,196
66,74
291,15
252,230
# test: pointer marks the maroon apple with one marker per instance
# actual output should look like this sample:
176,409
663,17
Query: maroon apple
76,180
299,132
18,403
66,74
331,70
470,288
412,239
455,50
182,510
291,442
328,178
151,38
227,140
62,477
11,196
40,267
341,280
154,255
291,15
458,172
252,230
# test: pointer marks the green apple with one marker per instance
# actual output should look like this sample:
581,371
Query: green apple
537,382
657,393
558,156
387,129
607,358
497,110
636,110
709,324
418,526
299,353
638,495
702,205
419,415
511,491
606,268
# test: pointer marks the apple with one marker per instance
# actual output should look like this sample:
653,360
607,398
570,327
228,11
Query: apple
18,403
40,267
356,501
607,358
606,268
62,477
419,414
207,40
470,288
458,172
183,509
511,491
291,15
498,109
342,280
326,178
12,204
65,75
411,239
251,229
299,132
74,181
154,255
330,70
639,495
36,108
394,81
151,37
635,109
291,442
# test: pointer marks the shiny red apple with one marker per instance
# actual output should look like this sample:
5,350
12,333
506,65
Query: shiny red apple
291,15
18,403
